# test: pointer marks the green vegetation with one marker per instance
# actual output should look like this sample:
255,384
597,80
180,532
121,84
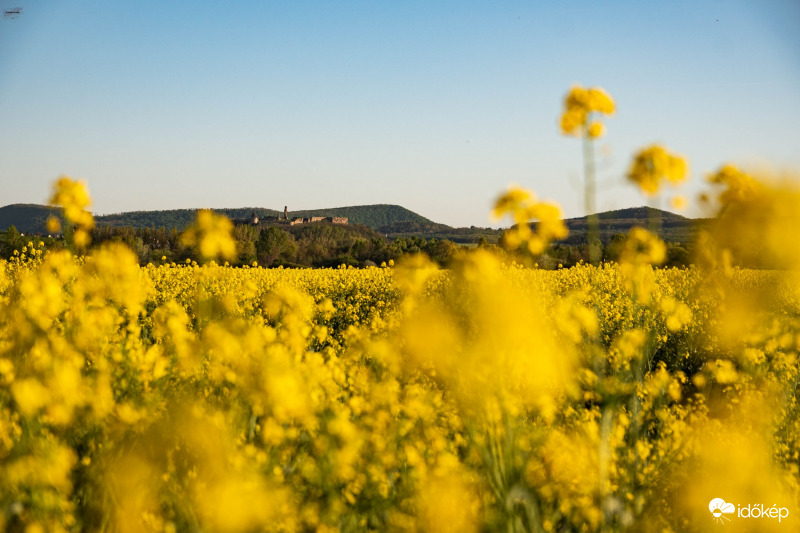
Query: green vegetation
12,241
171,219
375,234
568,255
27,218
320,244
470,235
391,221
31,218
669,226
329,245
373,216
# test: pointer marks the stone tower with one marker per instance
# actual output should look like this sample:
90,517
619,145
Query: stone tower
285,213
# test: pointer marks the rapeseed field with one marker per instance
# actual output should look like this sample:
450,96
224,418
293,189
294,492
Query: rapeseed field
492,396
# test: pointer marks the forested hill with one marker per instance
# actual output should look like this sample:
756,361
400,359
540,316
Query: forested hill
670,227
372,216
30,218
390,220
27,218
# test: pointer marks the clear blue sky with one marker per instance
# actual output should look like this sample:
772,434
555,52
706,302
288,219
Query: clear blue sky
436,106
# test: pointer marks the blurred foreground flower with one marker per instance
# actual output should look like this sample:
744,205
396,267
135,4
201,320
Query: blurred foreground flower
462,340
641,252
733,459
757,222
654,165
211,233
678,202
447,503
739,186
523,207
73,197
579,105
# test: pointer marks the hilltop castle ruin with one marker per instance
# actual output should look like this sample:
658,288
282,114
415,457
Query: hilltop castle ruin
283,219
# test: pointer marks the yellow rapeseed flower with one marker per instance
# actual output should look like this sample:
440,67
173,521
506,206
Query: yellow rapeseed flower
523,207
596,129
53,224
211,233
739,186
678,202
73,197
654,165
580,105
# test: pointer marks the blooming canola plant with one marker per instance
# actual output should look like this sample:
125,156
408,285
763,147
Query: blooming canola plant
490,396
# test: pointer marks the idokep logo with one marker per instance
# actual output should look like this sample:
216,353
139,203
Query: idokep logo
720,508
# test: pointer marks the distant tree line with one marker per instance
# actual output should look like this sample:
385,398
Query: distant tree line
308,245
322,245
567,255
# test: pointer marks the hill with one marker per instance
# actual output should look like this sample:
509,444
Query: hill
372,216
27,218
673,227
470,235
30,218
391,221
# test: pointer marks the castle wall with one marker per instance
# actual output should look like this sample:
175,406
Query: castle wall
283,219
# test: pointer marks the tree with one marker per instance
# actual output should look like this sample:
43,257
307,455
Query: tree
441,251
12,241
614,247
273,244
245,236
677,256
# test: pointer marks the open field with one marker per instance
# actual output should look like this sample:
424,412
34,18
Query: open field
536,303
211,398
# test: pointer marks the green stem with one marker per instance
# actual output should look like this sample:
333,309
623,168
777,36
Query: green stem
606,423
